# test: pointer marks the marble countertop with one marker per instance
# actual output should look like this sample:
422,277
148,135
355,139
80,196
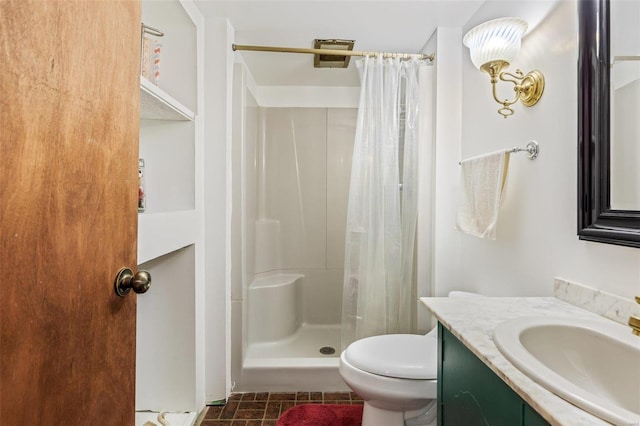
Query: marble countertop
472,321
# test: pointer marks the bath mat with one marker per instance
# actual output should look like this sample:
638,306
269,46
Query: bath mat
322,415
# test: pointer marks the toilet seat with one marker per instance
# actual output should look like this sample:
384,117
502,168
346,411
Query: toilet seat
403,356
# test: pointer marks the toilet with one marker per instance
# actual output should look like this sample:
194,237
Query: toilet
396,376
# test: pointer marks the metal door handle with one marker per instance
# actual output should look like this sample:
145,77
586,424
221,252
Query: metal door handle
127,281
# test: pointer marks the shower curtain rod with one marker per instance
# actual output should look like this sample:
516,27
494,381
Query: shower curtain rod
336,52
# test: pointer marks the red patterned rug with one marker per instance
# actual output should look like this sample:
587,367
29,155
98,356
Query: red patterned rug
322,415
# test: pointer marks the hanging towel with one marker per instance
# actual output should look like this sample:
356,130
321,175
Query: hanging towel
483,180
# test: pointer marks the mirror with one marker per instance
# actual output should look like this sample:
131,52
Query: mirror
625,105
608,129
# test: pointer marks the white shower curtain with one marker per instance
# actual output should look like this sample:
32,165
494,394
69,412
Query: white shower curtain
382,209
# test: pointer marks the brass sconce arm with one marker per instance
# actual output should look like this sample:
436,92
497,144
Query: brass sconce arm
634,321
528,88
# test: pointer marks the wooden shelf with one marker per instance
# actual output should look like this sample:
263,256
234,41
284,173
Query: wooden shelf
156,104
163,233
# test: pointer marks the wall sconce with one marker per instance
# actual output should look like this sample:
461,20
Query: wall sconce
492,46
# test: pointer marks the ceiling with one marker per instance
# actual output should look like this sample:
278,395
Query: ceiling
390,26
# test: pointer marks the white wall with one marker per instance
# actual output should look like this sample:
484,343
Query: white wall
448,121
217,205
536,234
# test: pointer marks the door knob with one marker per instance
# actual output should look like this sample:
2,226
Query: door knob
127,281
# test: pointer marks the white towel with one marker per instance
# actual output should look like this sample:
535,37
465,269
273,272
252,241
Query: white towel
483,180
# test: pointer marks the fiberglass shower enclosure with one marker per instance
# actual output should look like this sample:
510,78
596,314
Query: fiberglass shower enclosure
290,174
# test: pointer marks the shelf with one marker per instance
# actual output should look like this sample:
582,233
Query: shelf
156,104
163,233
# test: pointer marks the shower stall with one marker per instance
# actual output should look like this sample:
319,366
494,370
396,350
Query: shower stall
292,190
291,172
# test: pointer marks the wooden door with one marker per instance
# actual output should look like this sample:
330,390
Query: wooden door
69,129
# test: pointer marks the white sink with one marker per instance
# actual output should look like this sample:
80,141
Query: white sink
593,364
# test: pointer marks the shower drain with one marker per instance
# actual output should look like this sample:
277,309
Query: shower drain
327,350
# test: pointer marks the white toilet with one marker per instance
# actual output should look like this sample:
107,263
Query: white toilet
396,376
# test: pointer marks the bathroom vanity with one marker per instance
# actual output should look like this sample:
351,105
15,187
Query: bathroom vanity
469,393
477,384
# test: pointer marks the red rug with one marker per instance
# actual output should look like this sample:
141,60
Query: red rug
322,415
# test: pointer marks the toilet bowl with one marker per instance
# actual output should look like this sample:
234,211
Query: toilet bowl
396,376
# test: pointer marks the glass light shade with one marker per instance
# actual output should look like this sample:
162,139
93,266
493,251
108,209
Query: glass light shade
496,40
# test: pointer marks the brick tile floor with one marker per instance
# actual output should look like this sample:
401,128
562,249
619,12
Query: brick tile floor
264,408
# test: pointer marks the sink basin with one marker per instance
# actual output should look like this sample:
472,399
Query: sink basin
593,364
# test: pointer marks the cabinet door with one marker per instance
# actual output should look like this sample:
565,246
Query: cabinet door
68,215
532,418
470,393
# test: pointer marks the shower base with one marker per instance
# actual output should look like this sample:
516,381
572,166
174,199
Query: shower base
306,342
295,363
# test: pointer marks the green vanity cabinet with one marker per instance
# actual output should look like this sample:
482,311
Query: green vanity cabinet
531,416
470,394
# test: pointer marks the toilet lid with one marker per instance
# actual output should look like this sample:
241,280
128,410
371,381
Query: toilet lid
404,356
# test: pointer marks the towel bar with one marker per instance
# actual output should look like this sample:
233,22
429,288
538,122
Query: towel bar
532,148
